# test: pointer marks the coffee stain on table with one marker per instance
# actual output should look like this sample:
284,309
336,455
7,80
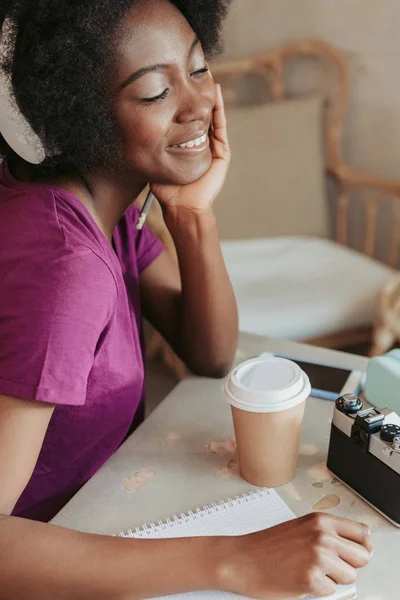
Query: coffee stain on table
225,448
221,447
318,484
233,465
173,436
137,480
308,450
327,502
335,481
232,468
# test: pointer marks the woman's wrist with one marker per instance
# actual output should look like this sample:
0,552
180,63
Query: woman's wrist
207,563
224,552
182,220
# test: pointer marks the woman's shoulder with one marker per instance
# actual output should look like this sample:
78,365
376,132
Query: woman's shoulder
27,213
41,218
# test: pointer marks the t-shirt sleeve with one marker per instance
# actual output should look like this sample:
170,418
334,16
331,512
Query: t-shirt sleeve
53,311
148,246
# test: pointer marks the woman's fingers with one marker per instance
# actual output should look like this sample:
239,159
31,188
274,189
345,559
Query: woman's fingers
340,571
354,531
323,585
353,553
219,119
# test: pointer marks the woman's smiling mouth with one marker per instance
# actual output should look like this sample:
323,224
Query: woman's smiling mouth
197,144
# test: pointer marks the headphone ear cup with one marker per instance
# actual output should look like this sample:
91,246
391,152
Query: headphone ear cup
15,129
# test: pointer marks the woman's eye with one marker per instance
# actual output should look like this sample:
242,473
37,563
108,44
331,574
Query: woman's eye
161,96
201,71
164,94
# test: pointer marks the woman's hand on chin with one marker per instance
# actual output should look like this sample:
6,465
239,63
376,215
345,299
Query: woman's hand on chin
199,196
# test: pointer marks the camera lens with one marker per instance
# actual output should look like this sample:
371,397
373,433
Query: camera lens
349,404
389,432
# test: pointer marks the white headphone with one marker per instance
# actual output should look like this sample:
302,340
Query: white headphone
14,128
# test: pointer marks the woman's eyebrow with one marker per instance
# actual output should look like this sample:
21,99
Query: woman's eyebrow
151,68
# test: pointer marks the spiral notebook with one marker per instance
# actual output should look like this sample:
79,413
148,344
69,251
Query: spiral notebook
234,516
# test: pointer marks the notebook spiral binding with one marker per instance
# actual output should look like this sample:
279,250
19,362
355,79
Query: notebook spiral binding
198,513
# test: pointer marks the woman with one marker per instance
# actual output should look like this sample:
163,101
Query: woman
120,95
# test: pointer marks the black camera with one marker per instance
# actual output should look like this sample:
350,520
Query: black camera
364,453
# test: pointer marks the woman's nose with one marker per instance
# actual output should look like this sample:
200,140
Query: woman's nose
196,104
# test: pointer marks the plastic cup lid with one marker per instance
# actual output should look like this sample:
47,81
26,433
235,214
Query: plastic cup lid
268,384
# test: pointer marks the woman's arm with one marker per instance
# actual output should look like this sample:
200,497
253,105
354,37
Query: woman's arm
194,307
41,561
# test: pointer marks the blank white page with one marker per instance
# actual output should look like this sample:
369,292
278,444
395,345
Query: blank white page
234,516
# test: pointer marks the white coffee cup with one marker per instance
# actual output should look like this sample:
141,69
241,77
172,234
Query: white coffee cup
267,396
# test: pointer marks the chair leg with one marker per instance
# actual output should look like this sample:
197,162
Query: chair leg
382,340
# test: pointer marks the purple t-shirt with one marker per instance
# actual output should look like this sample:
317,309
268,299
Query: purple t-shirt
70,331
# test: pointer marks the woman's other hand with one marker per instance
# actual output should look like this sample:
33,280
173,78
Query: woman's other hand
306,556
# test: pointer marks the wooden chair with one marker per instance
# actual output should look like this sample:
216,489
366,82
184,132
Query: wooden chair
387,326
349,185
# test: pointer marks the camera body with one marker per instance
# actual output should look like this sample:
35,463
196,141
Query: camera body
364,453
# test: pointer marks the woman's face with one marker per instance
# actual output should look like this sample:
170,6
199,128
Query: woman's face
165,96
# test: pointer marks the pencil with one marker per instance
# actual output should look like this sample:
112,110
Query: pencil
145,209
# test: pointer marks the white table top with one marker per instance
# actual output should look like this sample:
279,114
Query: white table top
184,449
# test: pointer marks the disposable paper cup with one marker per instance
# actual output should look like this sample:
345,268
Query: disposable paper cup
267,396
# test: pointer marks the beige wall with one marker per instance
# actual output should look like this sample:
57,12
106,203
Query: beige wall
368,32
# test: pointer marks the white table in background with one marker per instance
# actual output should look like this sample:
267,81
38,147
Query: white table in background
175,442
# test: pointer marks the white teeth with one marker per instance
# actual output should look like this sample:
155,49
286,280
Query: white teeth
197,142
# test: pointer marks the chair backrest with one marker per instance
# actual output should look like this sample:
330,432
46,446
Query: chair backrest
276,182
271,65
240,81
